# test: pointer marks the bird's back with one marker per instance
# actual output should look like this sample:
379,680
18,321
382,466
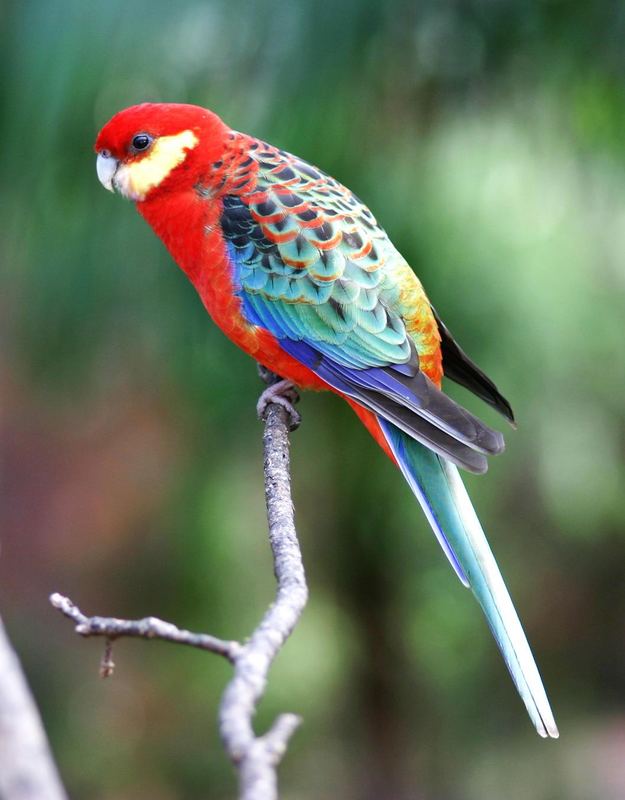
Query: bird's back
305,248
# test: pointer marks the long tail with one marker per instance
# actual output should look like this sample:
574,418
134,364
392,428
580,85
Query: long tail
441,493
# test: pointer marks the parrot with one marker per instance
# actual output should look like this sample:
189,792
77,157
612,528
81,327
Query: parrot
296,271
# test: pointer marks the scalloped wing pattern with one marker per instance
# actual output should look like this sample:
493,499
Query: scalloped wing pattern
312,263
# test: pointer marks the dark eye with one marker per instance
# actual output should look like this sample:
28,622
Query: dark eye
141,142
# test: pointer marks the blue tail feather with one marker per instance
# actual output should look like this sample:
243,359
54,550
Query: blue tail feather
441,493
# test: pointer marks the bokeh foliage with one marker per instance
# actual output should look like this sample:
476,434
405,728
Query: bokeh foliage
488,138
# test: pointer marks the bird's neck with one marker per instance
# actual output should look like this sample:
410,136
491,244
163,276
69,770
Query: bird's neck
184,222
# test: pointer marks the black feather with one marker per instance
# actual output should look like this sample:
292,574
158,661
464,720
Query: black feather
458,366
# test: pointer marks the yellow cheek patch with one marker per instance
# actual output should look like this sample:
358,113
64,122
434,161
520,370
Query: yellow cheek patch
134,180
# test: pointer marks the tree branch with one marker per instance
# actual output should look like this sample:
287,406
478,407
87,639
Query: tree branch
27,769
147,628
255,757
258,757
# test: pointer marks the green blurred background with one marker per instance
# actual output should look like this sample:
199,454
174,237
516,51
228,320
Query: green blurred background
488,137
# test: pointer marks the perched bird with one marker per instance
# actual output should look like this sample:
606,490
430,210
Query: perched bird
295,269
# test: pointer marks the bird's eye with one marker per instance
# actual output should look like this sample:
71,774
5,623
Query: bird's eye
141,142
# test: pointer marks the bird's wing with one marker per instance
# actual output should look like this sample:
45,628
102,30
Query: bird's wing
313,267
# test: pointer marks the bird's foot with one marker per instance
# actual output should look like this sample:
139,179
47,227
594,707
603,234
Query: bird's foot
282,393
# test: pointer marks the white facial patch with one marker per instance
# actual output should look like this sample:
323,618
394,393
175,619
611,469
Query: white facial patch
134,180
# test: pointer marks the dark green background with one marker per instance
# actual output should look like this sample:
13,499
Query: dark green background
488,137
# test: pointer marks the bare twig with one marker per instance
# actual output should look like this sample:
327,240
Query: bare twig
27,769
147,628
255,757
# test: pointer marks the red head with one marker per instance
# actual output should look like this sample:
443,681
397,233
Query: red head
156,147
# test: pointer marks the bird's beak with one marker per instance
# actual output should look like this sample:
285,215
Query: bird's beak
106,167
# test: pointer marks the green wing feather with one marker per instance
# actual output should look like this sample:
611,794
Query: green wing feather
312,260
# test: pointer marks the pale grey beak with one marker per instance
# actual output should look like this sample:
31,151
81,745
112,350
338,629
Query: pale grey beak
106,167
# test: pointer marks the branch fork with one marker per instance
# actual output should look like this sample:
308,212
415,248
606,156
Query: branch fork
255,757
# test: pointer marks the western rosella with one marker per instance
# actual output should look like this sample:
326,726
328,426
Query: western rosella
295,269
